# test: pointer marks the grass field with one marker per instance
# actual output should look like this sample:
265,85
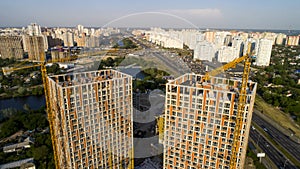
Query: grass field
276,115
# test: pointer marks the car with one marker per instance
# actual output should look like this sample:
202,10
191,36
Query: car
265,129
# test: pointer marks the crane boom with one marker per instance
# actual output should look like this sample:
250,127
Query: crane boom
225,67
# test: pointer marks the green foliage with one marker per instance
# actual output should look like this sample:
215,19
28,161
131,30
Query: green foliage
281,74
54,69
7,62
153,80
37,91
23,120
110,62
257,164
127,44
41,151
22,90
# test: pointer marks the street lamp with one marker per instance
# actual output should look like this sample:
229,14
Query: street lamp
285,162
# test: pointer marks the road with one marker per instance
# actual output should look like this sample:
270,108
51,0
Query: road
283,140
277,157
175,64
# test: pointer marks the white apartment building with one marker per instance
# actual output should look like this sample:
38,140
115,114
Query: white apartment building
227,54
204,51
264,52
238,43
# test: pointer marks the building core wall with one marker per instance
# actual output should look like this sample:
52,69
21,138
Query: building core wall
93,119
200,120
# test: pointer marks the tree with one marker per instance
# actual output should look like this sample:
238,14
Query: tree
22,91
40,153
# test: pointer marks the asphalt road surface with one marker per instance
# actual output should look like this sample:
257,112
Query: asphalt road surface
292,147
279,160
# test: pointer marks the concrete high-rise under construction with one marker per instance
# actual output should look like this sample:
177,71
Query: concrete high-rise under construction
92,119
200,122
11,47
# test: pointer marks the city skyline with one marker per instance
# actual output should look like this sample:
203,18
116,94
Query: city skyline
177,14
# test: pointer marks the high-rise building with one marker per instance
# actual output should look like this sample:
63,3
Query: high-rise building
204,51
264,52
11,47
68,38
93,125
80,39
52,42
80,28
210,36
227,53
280,39
293,40
35,47
200,122
34,29
238,43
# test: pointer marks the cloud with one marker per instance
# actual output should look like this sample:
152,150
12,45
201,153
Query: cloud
207,12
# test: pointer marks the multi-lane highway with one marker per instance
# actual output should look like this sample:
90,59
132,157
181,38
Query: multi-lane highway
277,157
283,140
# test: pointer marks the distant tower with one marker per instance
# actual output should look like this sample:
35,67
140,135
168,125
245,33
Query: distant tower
93,126
35,47
34,29
68,38
264,52
204,51
11,47
80,28
200,122
238,43
227,54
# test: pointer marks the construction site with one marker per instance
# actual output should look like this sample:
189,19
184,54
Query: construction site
92,124
200,122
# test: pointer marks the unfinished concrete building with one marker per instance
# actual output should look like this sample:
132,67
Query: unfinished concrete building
200,122
11,47
92,119
35,47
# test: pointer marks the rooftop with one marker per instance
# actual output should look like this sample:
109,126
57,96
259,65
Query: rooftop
216,83
73,79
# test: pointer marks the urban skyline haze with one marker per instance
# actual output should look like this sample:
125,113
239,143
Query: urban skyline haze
233,14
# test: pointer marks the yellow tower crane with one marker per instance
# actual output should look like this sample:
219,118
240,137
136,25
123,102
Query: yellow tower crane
241,100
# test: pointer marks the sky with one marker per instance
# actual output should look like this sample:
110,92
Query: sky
231,14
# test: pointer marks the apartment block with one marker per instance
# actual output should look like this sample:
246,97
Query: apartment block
93,126
227,54
204,51
293,40
200,122
11,47
36,47
264,52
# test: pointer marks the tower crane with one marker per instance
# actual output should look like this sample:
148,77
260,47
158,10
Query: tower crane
241,100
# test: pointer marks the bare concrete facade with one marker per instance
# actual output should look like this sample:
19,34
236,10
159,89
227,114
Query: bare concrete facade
93,119
200,122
